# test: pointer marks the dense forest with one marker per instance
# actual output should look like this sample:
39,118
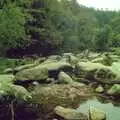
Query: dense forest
59,60
44,27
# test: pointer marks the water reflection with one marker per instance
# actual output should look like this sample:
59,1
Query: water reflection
112,110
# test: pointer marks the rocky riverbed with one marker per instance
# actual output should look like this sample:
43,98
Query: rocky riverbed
55,86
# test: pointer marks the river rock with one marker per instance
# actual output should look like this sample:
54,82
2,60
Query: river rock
104,59
98,72
96,114
114,90
99,89
89,66
66,95
64,78
55,65
69,114
88,69
35,73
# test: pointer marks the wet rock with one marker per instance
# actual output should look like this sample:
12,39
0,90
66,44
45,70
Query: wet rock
69,114
96,114
64,78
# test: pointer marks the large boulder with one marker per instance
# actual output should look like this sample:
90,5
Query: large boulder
114,90
55,65
64,78
66,95
88,69
69,114
43,71
98,72
89,66
105,76
19,92
27,66
96,114
36,73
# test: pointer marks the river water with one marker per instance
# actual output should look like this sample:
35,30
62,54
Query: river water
113,112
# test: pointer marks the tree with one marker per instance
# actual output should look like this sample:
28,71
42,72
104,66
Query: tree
12,31
102,38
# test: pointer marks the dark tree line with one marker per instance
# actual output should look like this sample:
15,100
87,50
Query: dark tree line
45,27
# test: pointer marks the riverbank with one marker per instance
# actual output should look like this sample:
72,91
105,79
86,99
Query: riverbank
66,80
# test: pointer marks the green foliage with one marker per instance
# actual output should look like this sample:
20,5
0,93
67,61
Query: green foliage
12,32
102,38
64,24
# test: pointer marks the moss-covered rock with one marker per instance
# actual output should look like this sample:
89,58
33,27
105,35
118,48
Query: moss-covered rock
7,78
20,68
36,73
105,75
64,78
114,90
96,114
90,70
89,66
66,95
105,59
69,114
19,92
115,68
99,89
55,65
99,72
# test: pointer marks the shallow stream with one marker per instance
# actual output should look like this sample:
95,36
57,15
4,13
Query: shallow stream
112,111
